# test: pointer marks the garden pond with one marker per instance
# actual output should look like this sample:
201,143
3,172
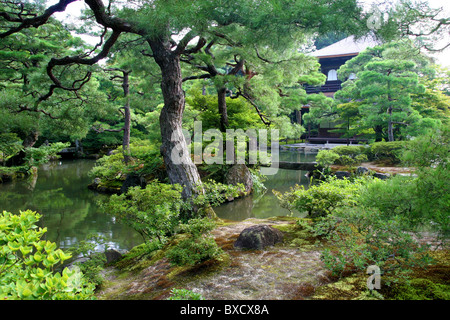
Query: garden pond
70,211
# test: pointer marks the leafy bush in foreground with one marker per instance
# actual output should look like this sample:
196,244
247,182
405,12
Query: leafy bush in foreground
27,263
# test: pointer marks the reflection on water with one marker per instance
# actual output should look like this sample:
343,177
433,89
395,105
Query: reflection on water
70,211
68,208
266,205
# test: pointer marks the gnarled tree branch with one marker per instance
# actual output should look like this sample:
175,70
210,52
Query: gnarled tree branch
35,21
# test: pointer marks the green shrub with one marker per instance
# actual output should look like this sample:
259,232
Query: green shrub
91,268
153,212
216,193
37,156
258,182
110,167
430,150
286,200
184,294
350,155
351,151
391,197
326,158
199,246
390,152
342,155
366,237
10,144
321,199
27,263
145,160
430,155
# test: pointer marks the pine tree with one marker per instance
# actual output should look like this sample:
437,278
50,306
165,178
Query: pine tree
386,77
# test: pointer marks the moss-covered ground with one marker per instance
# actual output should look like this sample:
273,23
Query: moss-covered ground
290,270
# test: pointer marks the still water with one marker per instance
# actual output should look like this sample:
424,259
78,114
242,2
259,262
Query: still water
71,213
266,205
69,209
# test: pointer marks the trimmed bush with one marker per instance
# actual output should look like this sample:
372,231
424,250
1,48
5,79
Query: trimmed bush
350,155
321,199
387,151
199,246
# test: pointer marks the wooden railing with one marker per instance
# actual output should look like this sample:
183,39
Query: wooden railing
329,86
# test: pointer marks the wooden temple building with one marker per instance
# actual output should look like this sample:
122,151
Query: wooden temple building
330,59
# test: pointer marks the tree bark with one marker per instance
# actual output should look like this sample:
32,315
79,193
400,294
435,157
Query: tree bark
222,103
390,126
177,159
127,119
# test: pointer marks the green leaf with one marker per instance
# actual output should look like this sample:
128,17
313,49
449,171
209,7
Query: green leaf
25,250
14,246
37,257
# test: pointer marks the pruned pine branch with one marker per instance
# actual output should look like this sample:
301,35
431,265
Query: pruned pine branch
101,16
77,84
99,129
202,76
25,108
34,21
263,117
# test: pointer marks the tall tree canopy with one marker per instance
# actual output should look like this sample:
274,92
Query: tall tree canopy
24,86
171,30
387,81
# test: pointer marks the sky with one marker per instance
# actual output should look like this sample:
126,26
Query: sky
442,58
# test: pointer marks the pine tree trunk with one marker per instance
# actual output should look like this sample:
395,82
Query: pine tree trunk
180,168
389,111
222,103
127,119
390,126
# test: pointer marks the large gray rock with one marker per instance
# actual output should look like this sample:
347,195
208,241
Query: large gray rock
112,255
258,237
362,170
342,174
132,180
382,176
239,173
